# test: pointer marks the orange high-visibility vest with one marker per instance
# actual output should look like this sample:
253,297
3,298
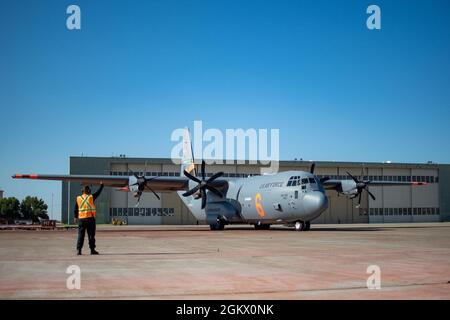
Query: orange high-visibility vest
86,206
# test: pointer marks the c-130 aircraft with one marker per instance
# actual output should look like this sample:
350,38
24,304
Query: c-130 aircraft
292,198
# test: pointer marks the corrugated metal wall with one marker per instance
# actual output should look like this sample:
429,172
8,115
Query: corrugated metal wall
392,204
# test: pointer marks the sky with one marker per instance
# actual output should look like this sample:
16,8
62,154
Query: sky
137,70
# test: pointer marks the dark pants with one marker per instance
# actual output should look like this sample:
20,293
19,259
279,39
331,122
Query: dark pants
87,224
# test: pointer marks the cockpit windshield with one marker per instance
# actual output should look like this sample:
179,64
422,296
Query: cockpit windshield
297,181
294,181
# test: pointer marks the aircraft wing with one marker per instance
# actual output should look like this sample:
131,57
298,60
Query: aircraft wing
158,184
333,184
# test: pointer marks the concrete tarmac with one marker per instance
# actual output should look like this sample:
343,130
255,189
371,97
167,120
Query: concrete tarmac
192,262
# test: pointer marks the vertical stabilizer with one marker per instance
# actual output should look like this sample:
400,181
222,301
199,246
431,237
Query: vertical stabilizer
188,164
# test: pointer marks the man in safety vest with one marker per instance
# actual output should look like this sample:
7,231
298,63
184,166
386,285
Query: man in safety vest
85,213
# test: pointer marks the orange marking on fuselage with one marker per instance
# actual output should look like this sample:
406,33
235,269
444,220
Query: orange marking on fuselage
258,205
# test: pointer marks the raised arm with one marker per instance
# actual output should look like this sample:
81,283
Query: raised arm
99,191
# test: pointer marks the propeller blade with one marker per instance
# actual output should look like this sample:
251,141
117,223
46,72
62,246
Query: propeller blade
359,199
190,176
312,167
203,169
138,199
370,194
215,191
203,184
203,193
156,195
142,186
214,177
354,179
150,179
192,191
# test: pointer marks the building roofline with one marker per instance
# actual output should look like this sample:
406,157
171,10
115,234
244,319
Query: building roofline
283,163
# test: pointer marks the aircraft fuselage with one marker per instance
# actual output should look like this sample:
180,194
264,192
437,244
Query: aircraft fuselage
282,198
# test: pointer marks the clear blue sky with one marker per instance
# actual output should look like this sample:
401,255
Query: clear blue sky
139,69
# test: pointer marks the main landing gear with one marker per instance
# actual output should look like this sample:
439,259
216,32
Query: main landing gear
219,225
262,226
302,226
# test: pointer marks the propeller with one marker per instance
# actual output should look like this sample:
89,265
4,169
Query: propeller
203,184
141,182
360,186
311,170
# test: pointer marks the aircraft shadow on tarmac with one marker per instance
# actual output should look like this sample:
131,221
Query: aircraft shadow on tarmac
356,229
344,229
285,229
151,253
349,229
153,230
246,229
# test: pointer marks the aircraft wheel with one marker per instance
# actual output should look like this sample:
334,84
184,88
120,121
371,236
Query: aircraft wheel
299,226
307,226
262,226
219,225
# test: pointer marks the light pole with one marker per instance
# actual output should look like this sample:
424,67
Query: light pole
68,203
52,208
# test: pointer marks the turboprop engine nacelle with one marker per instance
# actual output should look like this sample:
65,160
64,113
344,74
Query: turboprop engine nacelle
349,188
133,185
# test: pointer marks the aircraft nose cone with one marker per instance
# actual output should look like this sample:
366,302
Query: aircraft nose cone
315,202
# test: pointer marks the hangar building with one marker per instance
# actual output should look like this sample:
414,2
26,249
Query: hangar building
429,203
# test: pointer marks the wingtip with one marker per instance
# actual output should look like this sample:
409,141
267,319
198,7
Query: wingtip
25,176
